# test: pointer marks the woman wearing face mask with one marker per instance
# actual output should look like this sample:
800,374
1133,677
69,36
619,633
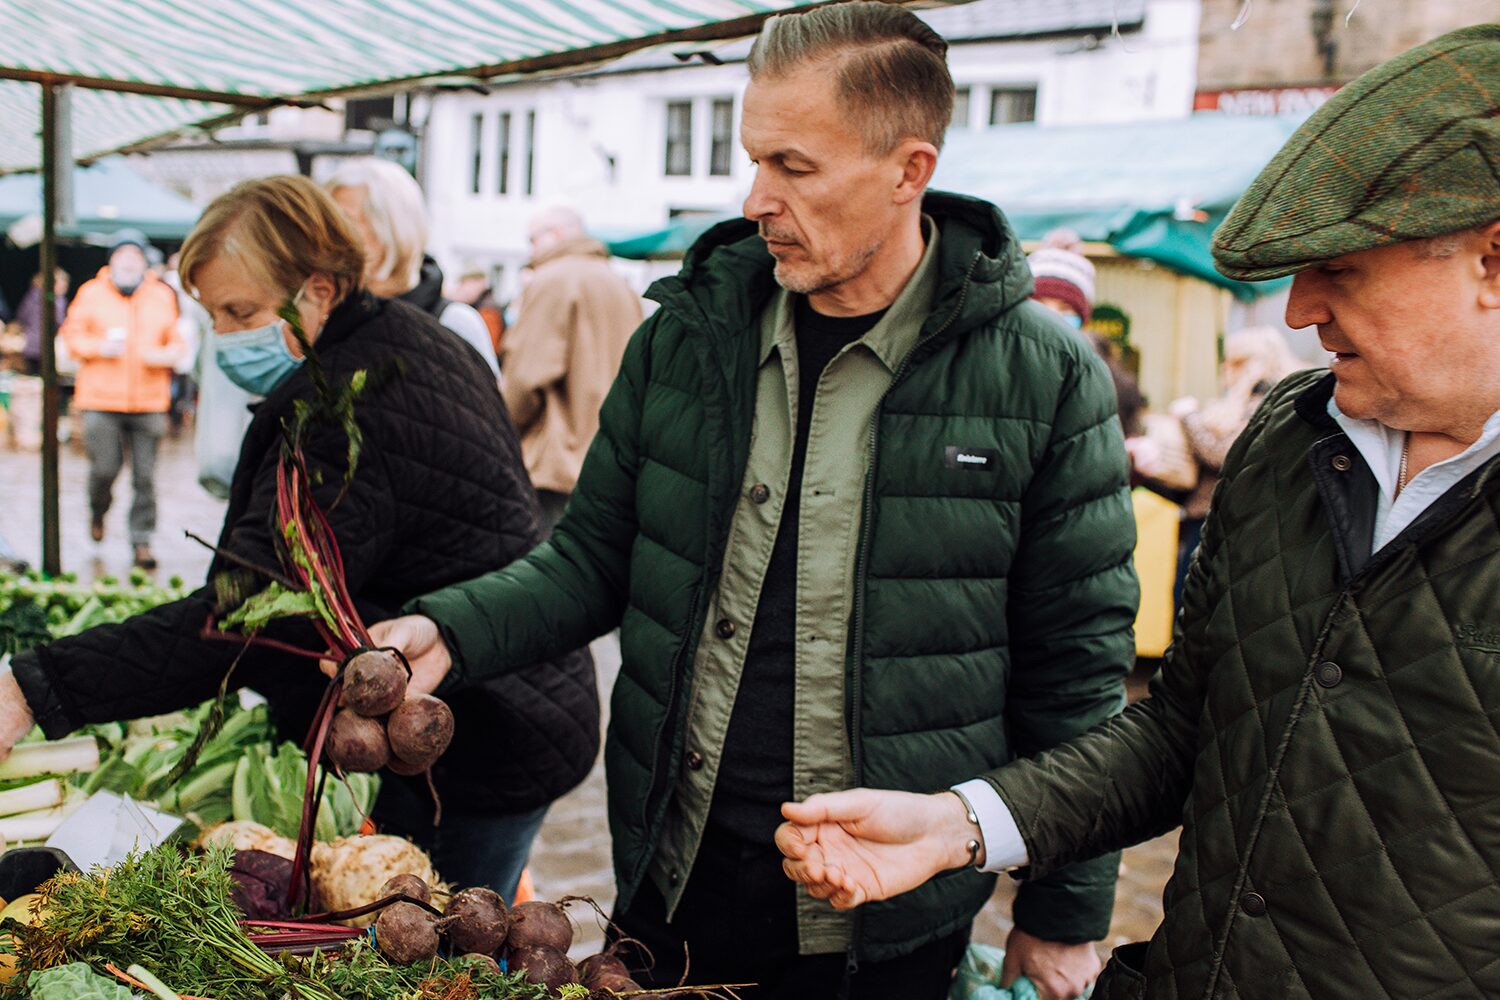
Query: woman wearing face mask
439,495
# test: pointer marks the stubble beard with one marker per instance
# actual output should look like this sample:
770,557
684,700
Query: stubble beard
840,272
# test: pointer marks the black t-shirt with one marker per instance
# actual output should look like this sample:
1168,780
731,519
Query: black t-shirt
755,773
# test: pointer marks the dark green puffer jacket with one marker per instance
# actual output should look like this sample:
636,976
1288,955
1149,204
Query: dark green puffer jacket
993,608
1324,729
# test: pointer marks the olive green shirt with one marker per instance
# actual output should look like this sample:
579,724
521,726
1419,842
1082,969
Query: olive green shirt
839,447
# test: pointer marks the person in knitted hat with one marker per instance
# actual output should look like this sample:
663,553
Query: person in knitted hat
1323,728
1064,282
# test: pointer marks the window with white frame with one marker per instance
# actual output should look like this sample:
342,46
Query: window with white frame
1012,104
502,154
530,186
721,146
679,158
960,117
476,146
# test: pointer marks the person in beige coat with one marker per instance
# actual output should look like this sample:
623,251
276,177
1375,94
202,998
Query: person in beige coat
561,356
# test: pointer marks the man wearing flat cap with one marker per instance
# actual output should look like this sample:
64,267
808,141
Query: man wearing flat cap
1326,726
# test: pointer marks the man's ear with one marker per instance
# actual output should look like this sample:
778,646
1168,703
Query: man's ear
918,160
1489,295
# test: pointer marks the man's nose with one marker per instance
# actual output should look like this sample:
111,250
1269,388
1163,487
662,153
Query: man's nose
761,202
1306,305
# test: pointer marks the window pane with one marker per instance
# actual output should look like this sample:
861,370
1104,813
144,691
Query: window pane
723,138
679,139
502,170
960,108
1012,105
476,139
530,149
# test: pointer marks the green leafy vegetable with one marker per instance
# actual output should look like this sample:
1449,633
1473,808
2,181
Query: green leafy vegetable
75,981
276,601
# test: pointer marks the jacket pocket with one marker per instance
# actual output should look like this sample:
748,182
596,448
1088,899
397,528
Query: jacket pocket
1124,978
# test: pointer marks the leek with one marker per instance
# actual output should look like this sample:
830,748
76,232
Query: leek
30,798
32,760
38,825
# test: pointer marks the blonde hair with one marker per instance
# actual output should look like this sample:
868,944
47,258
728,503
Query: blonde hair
282,230
395,211
890,66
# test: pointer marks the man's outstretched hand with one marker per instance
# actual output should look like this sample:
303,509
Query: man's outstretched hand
862,845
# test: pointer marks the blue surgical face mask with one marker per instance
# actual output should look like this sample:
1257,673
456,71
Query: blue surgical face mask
256,360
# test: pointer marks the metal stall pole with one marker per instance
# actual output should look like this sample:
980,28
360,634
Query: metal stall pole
51,533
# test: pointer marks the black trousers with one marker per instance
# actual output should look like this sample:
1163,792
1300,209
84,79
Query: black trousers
737,923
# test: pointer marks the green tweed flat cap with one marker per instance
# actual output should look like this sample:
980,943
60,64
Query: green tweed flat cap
1409,150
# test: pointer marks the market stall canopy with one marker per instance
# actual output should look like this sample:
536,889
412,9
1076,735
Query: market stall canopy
107,196
1153,190
202,61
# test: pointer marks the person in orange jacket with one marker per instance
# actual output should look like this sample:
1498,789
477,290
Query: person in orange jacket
122,329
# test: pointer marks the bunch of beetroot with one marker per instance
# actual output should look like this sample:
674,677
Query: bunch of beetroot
532,938
379,726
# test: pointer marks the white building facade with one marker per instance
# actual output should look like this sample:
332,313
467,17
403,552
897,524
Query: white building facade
655,136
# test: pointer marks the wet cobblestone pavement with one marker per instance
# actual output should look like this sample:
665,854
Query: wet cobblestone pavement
571,856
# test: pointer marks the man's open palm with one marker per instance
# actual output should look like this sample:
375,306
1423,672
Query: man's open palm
862,845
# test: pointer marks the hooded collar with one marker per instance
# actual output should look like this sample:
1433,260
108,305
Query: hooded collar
428,293
576,246
727,277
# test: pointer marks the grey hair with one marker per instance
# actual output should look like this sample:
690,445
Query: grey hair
395,211
891,67
1445,245
563,220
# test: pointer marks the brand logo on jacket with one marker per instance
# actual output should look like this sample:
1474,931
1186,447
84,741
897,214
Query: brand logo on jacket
971,459
1477,636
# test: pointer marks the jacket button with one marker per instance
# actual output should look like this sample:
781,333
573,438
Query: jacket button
694,761
1342,463
724,629
1254,904
760,493
673,877
1328,673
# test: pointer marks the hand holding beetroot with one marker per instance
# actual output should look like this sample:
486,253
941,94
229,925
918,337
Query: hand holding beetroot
382,725
418,639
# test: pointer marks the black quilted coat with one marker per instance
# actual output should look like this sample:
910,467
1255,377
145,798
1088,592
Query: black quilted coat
440,496
1324,729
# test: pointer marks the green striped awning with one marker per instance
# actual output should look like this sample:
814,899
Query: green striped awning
278,48
103,121
199,58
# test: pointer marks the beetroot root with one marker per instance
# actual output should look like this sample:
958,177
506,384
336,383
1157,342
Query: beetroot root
544,966
406,933
356,743
476,921
374,683
398,766
420,729
536,924
486,962
615,984
597,967
408,884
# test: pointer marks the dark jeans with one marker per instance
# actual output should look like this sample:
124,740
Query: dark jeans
1189,535
468,849
738,924
106,436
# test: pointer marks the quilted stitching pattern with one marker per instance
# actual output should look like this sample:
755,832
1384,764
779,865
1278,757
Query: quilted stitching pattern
1367,814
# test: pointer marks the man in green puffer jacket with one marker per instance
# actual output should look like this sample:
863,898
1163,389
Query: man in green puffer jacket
1324,726
860,512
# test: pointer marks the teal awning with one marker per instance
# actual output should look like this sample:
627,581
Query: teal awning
1153,190
107,196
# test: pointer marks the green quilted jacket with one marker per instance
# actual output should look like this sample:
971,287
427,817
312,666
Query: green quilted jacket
1325,730
993,608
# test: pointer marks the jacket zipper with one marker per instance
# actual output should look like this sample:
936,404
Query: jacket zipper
856,658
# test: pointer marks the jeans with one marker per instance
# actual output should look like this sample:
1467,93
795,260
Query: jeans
105,436
469,849
737,921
